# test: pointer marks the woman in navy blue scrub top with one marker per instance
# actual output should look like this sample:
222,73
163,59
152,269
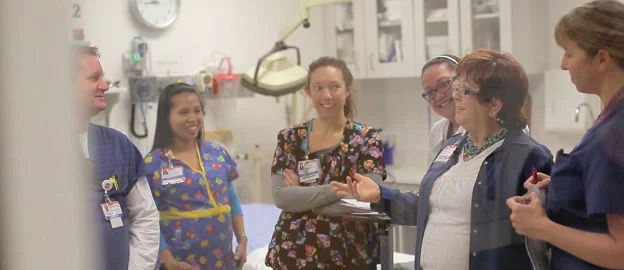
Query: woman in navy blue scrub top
583,217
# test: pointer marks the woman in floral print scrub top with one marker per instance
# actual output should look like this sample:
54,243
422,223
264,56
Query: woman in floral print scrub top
304,239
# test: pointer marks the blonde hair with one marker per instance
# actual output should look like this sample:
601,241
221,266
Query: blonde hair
594,26
78,50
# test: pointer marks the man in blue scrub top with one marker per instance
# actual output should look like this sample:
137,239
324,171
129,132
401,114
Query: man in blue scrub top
125,216
583,218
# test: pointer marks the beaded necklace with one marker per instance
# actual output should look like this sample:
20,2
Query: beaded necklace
471,151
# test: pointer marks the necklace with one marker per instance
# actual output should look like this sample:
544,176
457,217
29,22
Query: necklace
471,150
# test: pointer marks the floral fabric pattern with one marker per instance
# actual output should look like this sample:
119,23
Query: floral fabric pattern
310,241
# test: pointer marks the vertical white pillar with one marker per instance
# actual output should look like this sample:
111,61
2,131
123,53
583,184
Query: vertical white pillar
43,207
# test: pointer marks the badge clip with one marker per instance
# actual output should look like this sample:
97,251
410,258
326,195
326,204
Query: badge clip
110,184
169,157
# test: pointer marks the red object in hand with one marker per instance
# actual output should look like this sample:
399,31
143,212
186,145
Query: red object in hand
535,175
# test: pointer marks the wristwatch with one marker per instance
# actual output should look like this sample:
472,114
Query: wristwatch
242,237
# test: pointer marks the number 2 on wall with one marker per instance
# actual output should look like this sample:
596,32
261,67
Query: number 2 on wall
76,13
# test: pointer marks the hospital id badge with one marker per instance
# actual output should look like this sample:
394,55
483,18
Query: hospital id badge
172,175
113,213
309,170
446,154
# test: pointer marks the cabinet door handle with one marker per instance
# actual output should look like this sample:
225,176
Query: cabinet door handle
371,61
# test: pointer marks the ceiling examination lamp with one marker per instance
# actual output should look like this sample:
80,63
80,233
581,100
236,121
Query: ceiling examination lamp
275,74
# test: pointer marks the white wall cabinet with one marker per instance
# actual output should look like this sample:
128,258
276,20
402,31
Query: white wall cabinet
375,37
461,26
436,25
344,36
394,38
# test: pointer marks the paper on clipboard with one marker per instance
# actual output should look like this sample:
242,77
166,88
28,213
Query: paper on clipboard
359,206
346,207
372,213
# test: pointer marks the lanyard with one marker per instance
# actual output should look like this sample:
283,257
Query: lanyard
201,165
306,144
202,172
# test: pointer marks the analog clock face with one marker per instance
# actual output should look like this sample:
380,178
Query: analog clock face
156,14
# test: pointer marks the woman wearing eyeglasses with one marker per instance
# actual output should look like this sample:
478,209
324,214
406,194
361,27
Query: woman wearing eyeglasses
437,75
460,209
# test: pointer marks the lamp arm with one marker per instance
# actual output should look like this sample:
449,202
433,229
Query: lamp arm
293,26
304,14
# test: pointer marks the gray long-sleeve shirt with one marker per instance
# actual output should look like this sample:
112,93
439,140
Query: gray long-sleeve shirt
319,198
300,198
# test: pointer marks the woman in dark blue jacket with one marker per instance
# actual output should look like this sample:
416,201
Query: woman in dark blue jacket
463,221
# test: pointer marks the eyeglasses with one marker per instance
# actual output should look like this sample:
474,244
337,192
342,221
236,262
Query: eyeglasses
464,91
443,87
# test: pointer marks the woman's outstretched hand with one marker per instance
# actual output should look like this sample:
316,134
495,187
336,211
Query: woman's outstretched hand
361,188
